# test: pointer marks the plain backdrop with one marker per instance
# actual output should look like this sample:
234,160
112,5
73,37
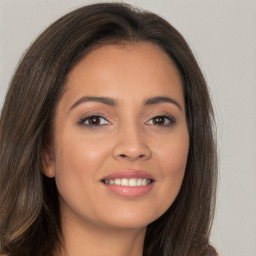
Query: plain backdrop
222,35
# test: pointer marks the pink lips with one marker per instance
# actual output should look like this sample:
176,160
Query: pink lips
129,191
129,174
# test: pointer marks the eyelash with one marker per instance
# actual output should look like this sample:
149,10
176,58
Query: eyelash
90,118
171,120
166,117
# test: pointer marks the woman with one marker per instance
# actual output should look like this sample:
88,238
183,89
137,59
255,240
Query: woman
107,141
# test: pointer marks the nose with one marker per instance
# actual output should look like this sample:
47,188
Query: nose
131,144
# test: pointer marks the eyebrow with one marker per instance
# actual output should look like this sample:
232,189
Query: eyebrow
161,99
113,102
104,100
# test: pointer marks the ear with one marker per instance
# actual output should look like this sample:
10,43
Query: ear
49,162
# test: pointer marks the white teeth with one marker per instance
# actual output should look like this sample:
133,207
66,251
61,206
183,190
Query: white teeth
118,181
124,182
133,182
144,182
111,182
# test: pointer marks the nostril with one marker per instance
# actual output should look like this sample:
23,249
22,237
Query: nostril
127,156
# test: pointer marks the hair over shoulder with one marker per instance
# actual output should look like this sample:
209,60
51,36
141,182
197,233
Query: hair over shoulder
30,214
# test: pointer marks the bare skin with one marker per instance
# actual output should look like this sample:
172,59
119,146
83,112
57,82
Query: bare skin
123,111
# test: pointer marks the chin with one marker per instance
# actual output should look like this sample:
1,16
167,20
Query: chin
137,218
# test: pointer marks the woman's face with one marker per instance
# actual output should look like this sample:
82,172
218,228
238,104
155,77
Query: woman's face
120,137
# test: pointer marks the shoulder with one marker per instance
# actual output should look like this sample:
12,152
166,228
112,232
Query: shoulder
210,251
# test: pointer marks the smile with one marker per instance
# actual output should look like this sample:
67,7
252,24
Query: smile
129,183
132,182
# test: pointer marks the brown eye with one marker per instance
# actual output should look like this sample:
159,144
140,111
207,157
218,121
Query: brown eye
161,121
94,121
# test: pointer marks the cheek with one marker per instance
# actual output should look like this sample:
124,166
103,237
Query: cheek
173,153
78,161
77,165
76,153
173,159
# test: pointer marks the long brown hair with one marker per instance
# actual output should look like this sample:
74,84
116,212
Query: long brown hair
30,215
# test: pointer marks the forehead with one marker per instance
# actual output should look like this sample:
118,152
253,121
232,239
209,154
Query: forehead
123,69
126,53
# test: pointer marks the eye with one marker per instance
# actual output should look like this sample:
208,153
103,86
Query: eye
162,121
94,121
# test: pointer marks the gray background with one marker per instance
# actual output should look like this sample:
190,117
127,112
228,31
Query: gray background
222,35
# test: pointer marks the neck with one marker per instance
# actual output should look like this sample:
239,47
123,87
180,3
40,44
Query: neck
87,239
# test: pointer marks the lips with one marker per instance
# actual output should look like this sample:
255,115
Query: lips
129,174
129,183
